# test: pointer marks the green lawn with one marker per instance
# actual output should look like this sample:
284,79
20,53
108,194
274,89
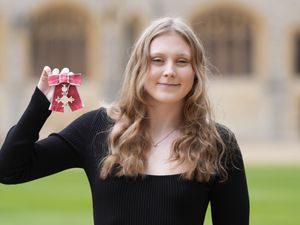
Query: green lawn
61,199
65,198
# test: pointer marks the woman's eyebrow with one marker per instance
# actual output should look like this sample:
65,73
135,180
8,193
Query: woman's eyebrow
185,55
178,55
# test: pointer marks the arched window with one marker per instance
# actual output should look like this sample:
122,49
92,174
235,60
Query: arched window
59,40
297,54
228,40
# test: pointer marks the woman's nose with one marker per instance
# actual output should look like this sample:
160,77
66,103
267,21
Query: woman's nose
169,69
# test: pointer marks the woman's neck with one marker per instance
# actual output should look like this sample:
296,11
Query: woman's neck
164,118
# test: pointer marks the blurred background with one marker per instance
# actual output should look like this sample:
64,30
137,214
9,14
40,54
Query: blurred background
254,85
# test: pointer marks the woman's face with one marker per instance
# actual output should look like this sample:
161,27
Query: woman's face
170,76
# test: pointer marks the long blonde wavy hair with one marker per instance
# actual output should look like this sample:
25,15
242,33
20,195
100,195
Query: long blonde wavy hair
200,146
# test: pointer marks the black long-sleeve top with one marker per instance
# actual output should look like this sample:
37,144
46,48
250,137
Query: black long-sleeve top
142,200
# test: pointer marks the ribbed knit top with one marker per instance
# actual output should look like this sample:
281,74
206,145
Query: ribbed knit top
142,200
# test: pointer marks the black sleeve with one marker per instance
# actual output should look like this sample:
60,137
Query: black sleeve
24,158
230,198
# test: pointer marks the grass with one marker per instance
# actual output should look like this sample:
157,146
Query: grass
275,195
65,198
61,199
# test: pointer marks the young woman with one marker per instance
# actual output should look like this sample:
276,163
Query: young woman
155,156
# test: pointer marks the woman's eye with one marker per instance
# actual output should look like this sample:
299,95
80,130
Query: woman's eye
157,60
182,61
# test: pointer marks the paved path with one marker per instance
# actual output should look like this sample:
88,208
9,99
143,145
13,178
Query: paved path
271,153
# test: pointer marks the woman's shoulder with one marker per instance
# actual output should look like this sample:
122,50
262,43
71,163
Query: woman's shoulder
91,121
225,133
88,124
233,152
96,117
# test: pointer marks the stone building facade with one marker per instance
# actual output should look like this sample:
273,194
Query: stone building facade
253,46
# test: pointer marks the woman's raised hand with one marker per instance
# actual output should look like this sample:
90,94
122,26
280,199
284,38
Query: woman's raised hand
43,82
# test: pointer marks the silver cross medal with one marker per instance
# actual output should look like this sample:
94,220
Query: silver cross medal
64,99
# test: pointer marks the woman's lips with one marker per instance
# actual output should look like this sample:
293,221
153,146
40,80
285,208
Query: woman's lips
168,84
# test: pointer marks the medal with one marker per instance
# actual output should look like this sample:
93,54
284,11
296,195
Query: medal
65,94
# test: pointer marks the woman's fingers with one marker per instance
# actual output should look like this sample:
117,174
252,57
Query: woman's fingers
45,73
47,69
65,71
43,82
55,71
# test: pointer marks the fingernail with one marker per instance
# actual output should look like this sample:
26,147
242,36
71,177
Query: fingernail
47,69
